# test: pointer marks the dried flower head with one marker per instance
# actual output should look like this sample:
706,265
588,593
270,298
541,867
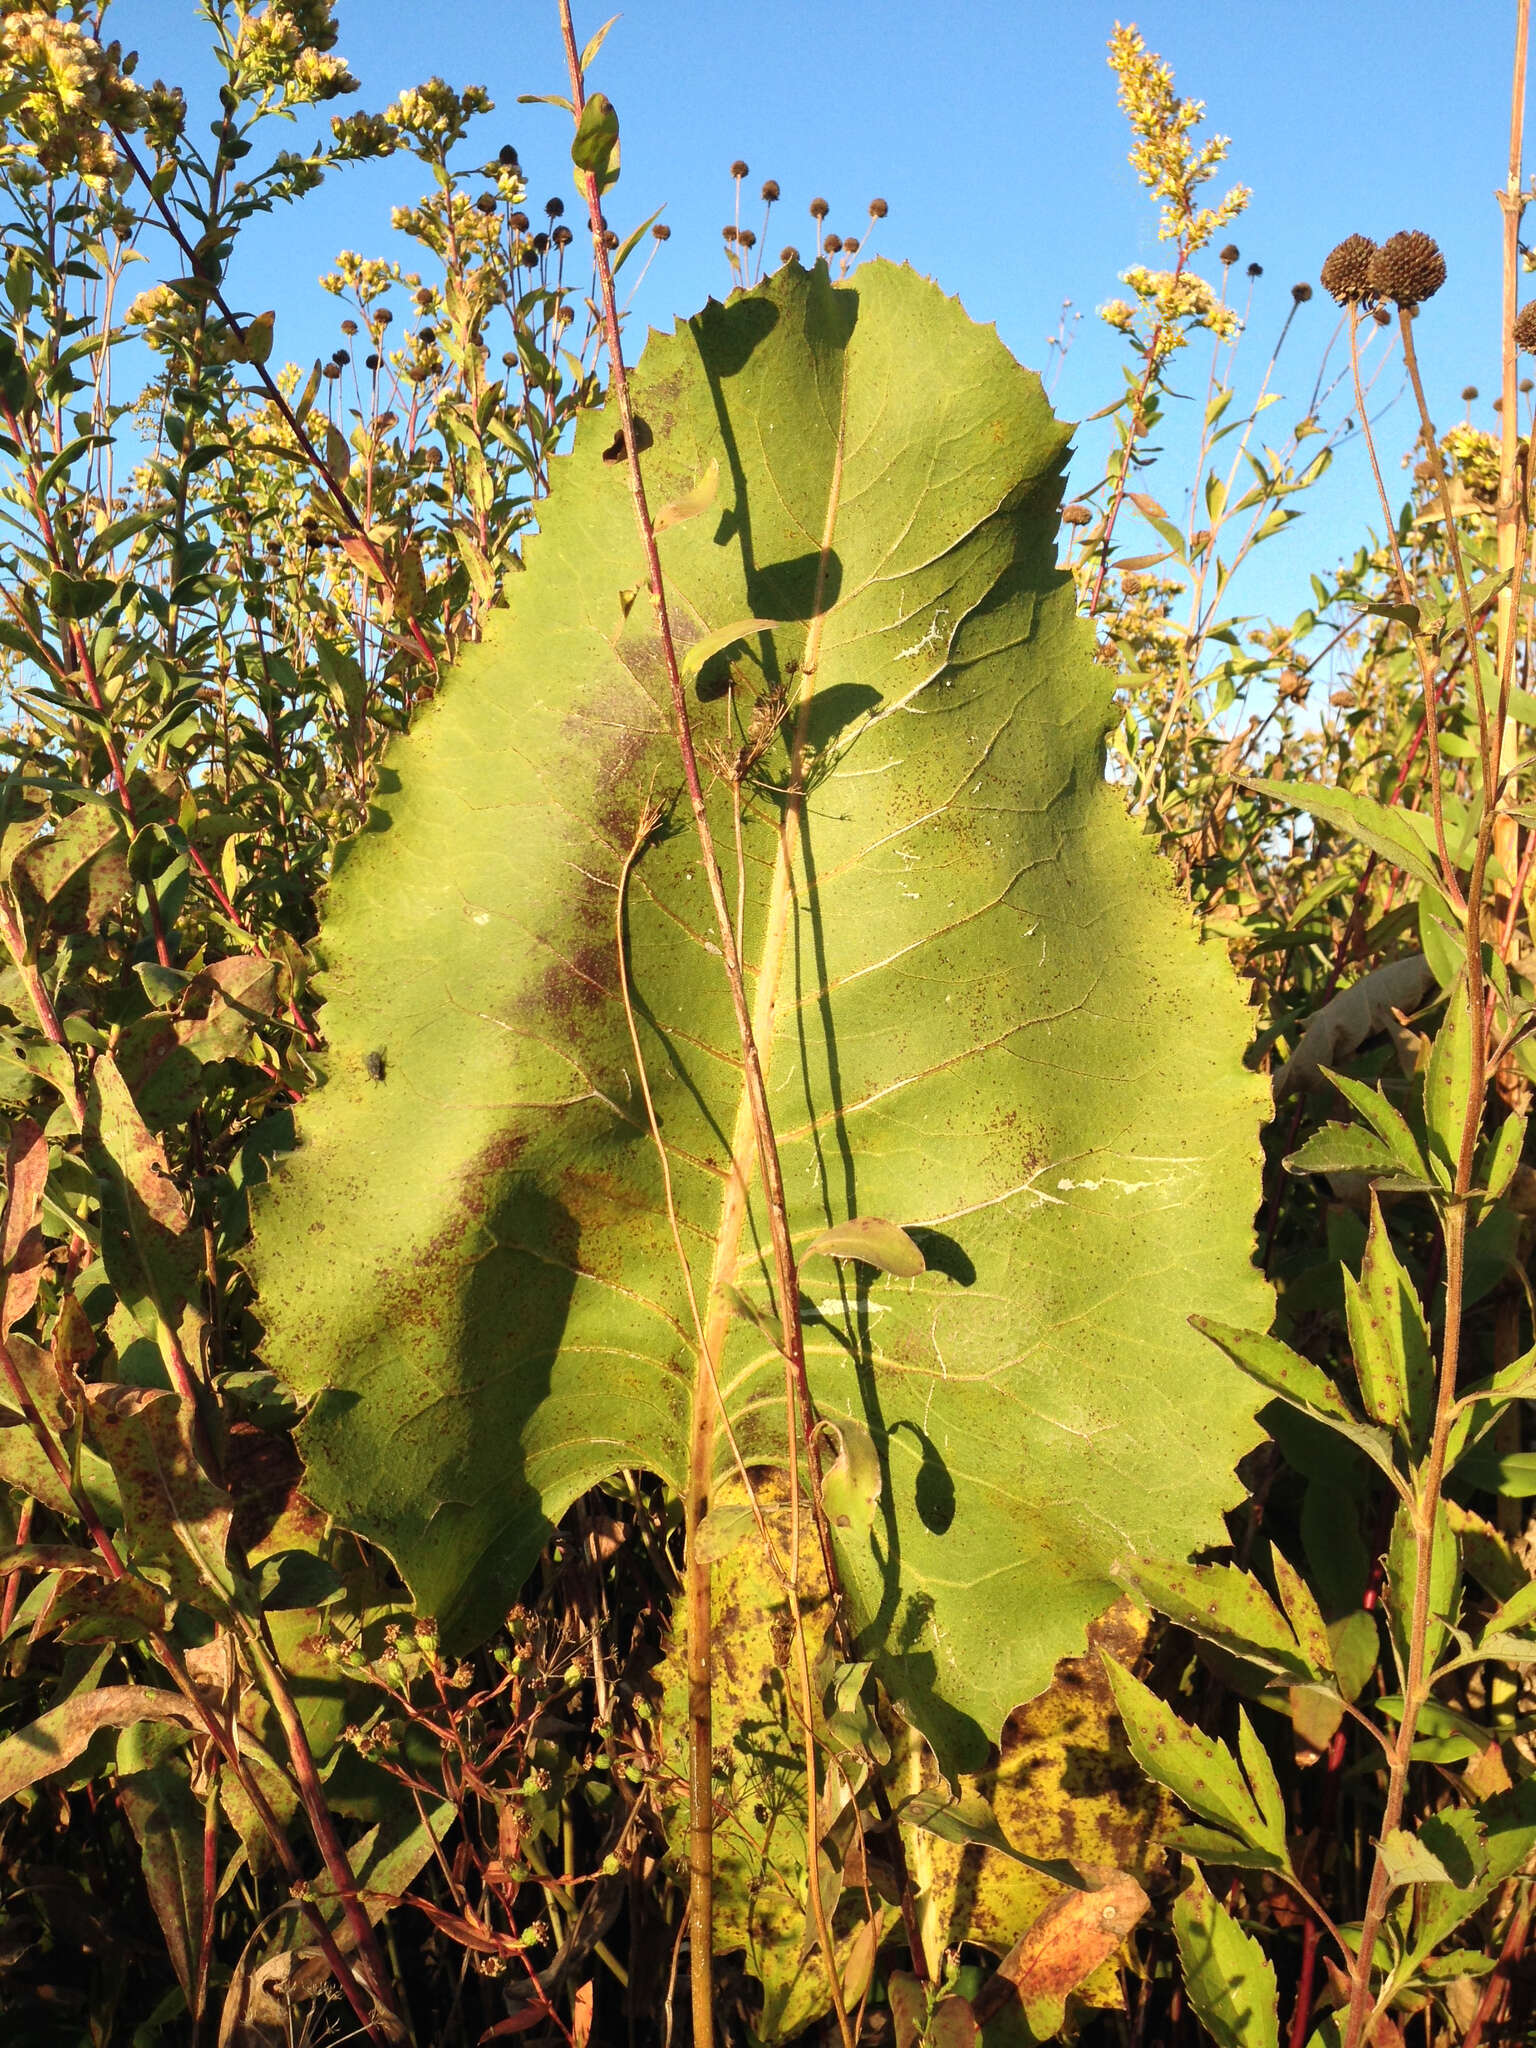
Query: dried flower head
1469,391
832,244
1255,270
878,209
747,239
851,246
1525,328
770,190
1408,268
1229,253
561,238
819,209
789,253
1076,515
1346,271
728,232
661,232
554,208
1301,293
738,169
506,154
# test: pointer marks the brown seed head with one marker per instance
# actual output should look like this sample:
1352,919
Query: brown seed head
832,244
1525,328
661,232
1255,270
851,246
819,209
561,238
554,208
770,190
1408,268
1075,515
747,239
519,223
878,209
789,253
1230,253
728,232
610,241
1346,271
738,169
1301,293
1468,394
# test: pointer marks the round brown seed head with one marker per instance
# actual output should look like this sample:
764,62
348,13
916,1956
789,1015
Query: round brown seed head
1255,270
738,169
661,232
851,246
832,244
1469,392
728,232
519,222
1075,515
561,238
1301,293
486,203
747,239
878,209
819,209
1526,384
1346,272
554,208
349,327
770,189
1407,268
610,241
1525,328
789,253
1230,253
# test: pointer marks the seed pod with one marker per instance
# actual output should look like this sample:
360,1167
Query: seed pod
1230,253
819,209
770,190
1346,271
1408,268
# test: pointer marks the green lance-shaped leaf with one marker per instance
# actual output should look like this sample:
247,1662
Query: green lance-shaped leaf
1230,1981
1389,1337
981,1008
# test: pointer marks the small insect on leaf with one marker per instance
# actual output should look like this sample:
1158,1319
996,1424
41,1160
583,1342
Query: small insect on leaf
872,1241
374,1062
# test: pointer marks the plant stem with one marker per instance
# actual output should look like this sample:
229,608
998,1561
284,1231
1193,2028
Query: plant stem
1405,594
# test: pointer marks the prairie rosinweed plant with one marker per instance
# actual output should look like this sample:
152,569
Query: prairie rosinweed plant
677,1772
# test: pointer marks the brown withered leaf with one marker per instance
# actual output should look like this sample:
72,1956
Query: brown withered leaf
1071,1938
23,1253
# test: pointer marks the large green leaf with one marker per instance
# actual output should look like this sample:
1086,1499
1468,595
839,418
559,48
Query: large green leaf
981,1005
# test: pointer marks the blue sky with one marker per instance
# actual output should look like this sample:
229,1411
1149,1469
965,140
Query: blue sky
991,130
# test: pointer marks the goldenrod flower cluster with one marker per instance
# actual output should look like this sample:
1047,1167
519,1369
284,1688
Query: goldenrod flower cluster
1473,460
366,277
435,116
284,51
1163,155
64,90
358,136
1174,302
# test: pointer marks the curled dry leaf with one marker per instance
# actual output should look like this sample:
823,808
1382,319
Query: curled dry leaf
1354,1015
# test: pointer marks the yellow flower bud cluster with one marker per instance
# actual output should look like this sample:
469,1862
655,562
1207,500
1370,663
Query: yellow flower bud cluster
435,115
63,90
283,51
